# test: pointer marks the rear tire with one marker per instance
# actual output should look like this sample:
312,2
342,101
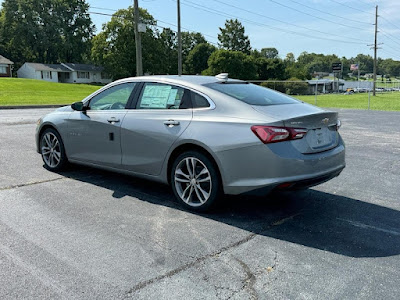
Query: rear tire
195,181
52,150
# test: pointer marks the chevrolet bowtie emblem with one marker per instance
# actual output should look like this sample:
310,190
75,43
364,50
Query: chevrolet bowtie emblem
325,121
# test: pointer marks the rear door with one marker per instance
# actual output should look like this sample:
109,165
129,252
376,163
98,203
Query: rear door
163,112
95,135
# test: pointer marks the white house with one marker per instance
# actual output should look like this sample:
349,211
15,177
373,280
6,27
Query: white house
83,73
64,72
48,72
5,67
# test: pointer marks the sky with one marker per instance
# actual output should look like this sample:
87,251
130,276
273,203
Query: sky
341,27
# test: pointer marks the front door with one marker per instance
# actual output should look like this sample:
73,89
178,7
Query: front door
95,135
162,114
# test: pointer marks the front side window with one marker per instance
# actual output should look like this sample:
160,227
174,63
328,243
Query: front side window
115,97
252,94
163,96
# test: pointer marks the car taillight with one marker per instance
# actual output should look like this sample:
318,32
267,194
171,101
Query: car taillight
271,134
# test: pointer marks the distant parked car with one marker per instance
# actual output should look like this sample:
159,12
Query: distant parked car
205,136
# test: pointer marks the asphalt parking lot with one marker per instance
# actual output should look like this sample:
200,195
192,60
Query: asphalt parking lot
90,234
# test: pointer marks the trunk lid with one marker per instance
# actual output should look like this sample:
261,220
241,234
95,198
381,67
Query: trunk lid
321,127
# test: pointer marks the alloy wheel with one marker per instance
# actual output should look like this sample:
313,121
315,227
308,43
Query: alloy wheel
51,149
193,181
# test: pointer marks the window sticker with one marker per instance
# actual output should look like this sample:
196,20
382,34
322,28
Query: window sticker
172,97
156,96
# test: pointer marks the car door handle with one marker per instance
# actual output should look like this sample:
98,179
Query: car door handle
113,120
171,123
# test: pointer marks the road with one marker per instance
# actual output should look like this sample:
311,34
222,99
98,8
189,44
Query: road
90,234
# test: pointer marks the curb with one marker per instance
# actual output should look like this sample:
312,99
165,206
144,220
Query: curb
32,106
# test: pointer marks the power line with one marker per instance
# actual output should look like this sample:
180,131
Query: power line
391,53
214,11
115,10
386,20
389,37
287,23
330,14
392,48
313,16
102,8
159,26
351,7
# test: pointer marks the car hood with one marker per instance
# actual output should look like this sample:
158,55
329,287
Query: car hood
66,108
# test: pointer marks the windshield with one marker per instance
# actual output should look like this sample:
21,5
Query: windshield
252,94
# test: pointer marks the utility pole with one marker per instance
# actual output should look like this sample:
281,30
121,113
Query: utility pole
375,50
139,66
179,39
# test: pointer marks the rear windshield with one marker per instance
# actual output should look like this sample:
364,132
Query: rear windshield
252,94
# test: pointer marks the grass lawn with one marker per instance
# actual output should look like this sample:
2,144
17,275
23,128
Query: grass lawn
384,101
21,91
18,91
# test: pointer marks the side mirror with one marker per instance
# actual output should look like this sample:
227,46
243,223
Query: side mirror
78,106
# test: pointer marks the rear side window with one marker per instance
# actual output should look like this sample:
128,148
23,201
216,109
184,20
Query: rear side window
163,96
252,94
199,101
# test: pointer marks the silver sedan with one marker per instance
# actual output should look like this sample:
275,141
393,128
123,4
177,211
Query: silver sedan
205,136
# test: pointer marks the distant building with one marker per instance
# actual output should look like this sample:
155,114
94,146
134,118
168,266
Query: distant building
320,75
5,67
325,86
64,72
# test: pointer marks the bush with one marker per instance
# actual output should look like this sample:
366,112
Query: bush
293,86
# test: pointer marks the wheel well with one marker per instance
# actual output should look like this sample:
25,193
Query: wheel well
190,147
44,128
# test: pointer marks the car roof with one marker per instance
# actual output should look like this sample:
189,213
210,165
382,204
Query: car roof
188,79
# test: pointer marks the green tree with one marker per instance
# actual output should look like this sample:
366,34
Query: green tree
236,63
389,67
114,47
232,37
270,68
196,61
295,86
168,41
366,63
270,53
46,31
290,59
189,41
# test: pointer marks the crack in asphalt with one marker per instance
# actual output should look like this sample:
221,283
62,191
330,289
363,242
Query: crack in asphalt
186,266
249,281
189,265
10,187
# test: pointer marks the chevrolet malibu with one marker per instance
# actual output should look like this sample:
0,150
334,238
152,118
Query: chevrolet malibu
204,136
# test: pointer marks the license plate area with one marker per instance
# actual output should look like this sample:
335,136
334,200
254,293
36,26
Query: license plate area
319,138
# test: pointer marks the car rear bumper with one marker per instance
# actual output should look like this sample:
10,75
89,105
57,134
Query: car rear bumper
295,183
278,166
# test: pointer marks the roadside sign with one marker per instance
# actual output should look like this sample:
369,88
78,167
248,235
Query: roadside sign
337,66
142,27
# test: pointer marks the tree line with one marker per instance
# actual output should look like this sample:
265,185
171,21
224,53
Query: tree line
54,31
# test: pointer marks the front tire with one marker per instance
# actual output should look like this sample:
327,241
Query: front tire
195,181
52,150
